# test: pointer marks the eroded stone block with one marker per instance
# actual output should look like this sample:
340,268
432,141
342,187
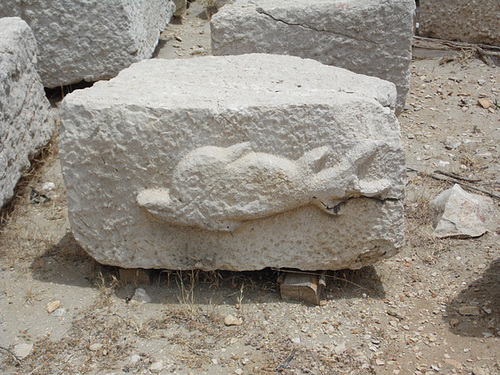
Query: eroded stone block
370,37
236,162
25,121
474,21
81,40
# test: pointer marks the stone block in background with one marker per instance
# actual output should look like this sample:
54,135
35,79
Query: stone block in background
26,124
370,37
90,40
473,21
180,7
236,163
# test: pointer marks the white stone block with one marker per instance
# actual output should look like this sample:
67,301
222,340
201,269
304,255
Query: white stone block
473,21
25,121
90,40
370,37
235,162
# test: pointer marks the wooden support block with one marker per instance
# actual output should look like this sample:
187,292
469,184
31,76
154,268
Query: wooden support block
134,276
303,287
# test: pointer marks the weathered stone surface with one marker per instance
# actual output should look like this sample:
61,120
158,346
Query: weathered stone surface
474,21
25,121
81,40
370,37
461,214
180,7
236,162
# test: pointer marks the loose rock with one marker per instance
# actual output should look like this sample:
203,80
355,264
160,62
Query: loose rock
156,367
52,306
141,295
21,351
231,320
469,310
461,214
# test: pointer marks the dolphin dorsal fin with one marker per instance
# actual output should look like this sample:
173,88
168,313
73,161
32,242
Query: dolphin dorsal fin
315,159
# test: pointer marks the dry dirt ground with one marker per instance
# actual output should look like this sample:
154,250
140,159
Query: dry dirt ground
432,309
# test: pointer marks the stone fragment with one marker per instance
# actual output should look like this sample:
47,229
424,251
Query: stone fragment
78,40
52,306
485,103
141,295
59,312
26,124
231,320
21,351
452,143
474,21
156,367
303,287
237,163
469,310
461,214
96,347
370,37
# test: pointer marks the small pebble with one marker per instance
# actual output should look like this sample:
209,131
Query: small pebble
156,367
231,320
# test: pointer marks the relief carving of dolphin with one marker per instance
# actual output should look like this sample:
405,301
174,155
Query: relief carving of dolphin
217,188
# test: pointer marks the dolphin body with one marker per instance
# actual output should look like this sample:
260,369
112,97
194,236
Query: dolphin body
217,188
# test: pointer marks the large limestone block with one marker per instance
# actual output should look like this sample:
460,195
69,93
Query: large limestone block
370,37
236,162
25,121
473,21
90,40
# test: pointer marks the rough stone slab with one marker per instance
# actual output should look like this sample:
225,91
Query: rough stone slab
81,40
474,21
370,37
25,121
235,162
458,213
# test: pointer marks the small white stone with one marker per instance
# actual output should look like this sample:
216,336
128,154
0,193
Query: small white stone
156,367
48,186
23,350
60,312
296,340
135,358
231,320
96,347
141,295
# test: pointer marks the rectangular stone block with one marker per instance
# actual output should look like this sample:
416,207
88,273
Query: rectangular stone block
25,121
370,37
90,40
474,21
236,163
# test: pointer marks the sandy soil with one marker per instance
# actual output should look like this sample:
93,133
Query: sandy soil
434,308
